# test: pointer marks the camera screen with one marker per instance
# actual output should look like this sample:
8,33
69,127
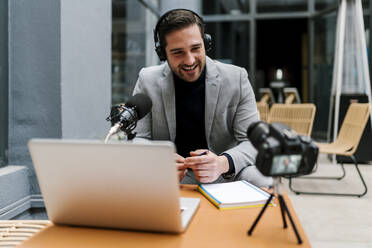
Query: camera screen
285,164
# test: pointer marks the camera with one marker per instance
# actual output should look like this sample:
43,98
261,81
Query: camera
281,151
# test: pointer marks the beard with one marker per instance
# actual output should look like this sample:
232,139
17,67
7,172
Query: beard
189,73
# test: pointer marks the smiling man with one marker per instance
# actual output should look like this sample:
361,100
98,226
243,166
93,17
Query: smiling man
205,107
186,57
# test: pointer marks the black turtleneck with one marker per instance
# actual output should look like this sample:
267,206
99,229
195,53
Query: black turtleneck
190,118
190,106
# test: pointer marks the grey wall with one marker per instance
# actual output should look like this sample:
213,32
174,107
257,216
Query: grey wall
14,191
85,67
59,73
3,81
195,5
34,76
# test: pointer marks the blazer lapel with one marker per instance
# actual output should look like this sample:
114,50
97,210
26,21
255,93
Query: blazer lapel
212,89
168,95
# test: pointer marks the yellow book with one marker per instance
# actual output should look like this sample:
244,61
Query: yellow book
234,195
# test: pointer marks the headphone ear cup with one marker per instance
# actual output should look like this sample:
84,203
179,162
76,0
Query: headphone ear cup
207,42
161,53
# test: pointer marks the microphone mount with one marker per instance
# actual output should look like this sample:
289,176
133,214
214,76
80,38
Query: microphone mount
117,119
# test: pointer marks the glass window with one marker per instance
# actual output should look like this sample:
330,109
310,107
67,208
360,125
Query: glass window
132,45
287,53
367,33
367,28
230,42
325,4
281,5
3,82
365,4
324,49
232,7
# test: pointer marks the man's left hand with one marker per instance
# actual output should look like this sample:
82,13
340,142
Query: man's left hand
207,168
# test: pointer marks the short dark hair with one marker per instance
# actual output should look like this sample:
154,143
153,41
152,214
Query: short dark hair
176,20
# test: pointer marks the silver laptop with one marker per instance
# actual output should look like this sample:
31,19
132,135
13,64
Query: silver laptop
115,185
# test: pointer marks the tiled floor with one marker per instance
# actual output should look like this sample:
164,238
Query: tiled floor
334,221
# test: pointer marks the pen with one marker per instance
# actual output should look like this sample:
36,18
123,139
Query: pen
201,154
204,153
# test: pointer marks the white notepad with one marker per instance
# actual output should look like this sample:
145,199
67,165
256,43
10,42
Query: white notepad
232,195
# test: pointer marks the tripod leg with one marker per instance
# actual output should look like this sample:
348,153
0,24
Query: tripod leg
260,214
299,240
282,209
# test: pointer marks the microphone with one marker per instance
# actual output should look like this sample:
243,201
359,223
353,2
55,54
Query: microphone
124,117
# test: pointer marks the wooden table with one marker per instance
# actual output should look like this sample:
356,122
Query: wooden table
210,227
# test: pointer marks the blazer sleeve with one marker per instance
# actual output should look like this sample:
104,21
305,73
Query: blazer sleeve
143,127
246,113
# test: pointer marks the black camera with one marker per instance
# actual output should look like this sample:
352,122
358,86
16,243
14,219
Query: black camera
281,151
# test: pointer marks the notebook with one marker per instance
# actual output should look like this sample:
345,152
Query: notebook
115,185
234,195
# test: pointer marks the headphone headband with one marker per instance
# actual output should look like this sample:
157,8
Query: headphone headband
156,32
160,50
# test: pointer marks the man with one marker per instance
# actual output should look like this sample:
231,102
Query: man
203,106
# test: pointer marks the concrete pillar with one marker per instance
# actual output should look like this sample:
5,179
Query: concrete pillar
85,67
59,73
34,77
3,82
194,5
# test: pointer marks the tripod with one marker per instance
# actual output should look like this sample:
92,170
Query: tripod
283,208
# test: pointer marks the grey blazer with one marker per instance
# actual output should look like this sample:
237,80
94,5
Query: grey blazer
230,107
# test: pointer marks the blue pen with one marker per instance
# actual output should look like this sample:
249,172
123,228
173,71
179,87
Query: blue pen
201,154
204,153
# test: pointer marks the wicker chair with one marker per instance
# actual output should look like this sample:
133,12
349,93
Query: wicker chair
345,145
265,98
291,95
14,232
263,110
299,117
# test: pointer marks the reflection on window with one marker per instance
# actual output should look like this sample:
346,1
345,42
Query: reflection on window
365,4
324,49
230,42
325,4
231,7
281,5
367,30
130,37
3,82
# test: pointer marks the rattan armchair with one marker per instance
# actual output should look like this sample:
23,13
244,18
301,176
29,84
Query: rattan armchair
345,145
263,110
299,117
14,232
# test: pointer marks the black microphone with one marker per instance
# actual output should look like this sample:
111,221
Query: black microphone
124,117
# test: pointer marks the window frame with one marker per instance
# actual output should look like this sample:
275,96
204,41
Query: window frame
4,82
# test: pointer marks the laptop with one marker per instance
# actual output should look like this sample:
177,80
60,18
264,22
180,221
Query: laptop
122,185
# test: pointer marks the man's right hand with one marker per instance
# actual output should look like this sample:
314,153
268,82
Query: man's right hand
180,166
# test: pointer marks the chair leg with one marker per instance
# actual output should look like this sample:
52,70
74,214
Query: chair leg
330,178
361,177
337,178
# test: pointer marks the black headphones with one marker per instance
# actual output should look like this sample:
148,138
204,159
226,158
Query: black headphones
160,51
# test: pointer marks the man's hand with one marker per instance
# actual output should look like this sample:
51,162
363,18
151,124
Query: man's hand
181,168
207,168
